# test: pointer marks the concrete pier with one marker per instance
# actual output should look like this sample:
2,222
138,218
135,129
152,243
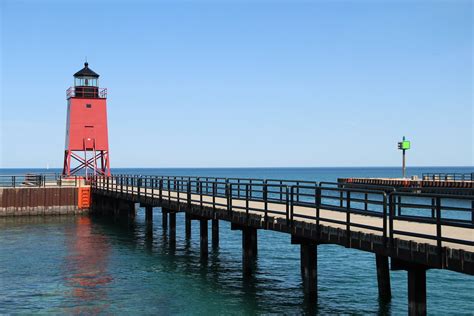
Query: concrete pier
26,201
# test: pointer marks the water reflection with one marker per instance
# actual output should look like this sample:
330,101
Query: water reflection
86,267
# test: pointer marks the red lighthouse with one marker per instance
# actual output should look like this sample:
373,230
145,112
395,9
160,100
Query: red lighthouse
87,143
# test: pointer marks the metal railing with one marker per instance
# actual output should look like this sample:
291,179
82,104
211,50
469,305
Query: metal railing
320,203
86,92
448,176
39,180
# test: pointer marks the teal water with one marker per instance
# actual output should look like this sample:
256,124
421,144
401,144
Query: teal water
82,265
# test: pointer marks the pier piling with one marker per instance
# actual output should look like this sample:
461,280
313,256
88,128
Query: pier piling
416,285
215,233
416,291
164,221
172,218
148,213
308,265
383,277
204,238
309,268
249,248
187,224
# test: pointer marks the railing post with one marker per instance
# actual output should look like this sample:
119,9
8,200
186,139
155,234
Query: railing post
161,190
228,191
391,211
318,205
281,191
13,181
139,182
438,228
238,189
348,218
247,203
214,193
399,205
200,195
287,191
297,192
366,202
265,201
433,208
341,198
188,189
291,204
472,211
384,219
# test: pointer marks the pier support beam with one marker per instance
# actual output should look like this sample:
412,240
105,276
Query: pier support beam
383,277
215,233
204,238
187,224
164,221
148,213
132,211
416,285
172,216
309,268
417,291
309,265
249,249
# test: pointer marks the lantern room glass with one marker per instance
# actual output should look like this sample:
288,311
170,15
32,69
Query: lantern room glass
86,82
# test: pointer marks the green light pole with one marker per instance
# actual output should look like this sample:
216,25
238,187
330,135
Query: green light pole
404,145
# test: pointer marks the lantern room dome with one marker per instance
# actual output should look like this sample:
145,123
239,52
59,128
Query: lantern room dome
86,72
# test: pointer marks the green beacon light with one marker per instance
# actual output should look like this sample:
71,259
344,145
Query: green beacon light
404,145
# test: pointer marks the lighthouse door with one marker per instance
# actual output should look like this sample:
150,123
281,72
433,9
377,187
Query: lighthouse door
89,137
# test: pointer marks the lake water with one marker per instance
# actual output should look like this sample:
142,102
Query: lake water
83,265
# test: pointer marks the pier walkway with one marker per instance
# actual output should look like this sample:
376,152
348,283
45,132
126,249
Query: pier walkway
417,230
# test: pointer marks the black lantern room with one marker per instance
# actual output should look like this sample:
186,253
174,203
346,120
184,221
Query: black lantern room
86,83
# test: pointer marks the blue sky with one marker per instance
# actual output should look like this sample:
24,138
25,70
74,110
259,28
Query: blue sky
244,83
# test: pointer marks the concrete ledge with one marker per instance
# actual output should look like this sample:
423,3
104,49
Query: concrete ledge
42,211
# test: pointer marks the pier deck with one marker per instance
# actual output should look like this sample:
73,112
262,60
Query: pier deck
436,230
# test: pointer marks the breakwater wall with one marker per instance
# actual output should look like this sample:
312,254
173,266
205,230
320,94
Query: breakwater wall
425,186
38,201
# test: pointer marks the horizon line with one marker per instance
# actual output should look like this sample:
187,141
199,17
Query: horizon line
260,167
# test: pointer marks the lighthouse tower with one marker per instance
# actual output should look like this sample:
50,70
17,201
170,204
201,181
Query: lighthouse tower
87,145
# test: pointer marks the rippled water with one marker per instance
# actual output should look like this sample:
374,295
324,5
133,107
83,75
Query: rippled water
84,265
